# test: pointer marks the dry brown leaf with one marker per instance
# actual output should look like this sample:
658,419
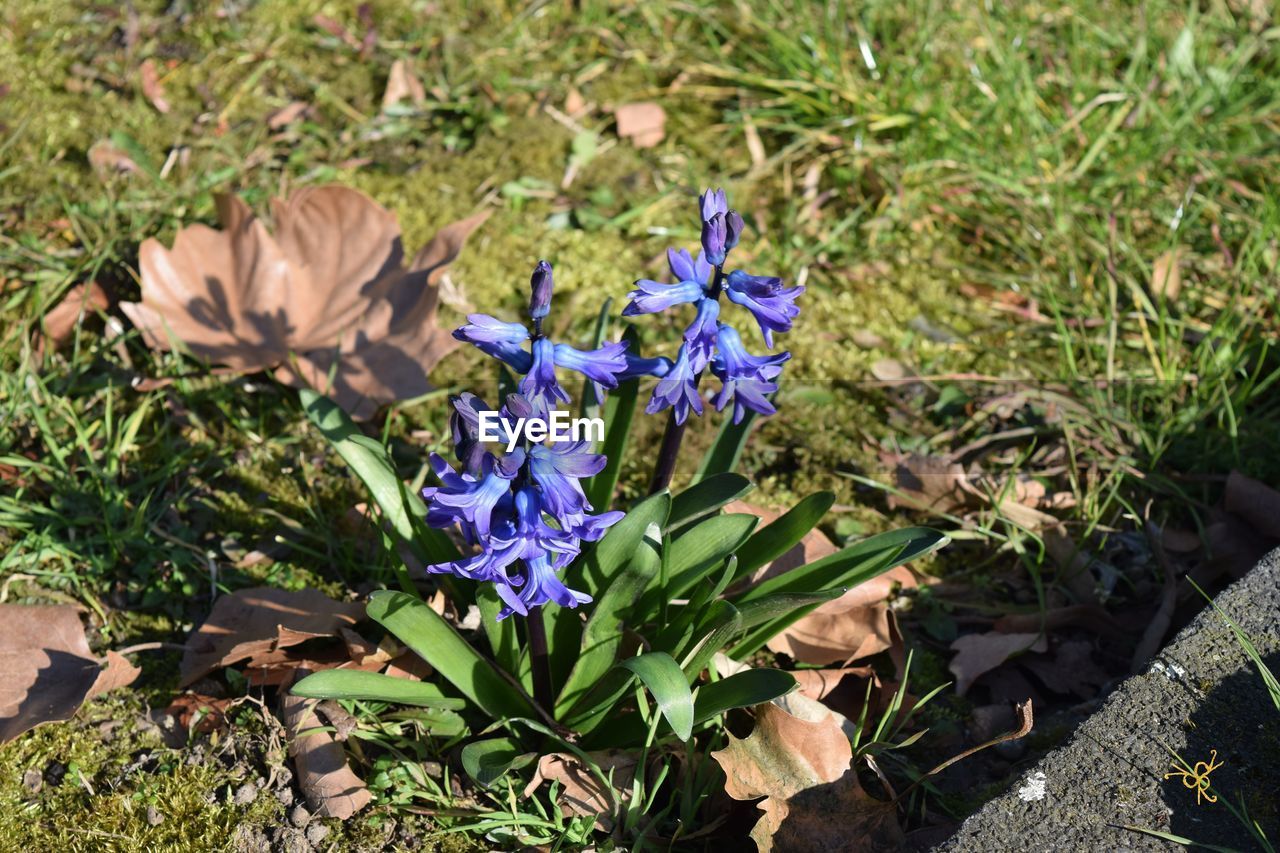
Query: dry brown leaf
107,160
802,769
1166,276
980,653
643,123
328,784
287,115
1071,670
939,484
257,624
1255,502
152,88
402,84
205,712
60,322
330,284
46,669
581,792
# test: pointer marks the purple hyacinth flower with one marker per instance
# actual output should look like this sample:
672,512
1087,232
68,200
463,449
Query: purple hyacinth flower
733,228
677,390
650,297
497,339
556,468
714,235
539,386
746,379
700,337
686,268
712,202
540,286
773,305
464,424
600,366
543,550
590,528
463,498
638,366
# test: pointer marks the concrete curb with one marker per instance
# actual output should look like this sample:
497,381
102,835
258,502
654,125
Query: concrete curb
1198,695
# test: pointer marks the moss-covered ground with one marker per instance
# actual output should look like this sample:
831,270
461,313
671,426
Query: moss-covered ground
972,195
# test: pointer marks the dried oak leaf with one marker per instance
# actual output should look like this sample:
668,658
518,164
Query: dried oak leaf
257,624
330,284
60,321
856,625
980,653
330,787
813,800
643,123
46,669
581,793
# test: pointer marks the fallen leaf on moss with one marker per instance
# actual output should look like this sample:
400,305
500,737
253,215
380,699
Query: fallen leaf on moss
581,793
330,787
205,714
46,668
980,653
643,123
257,624
403,84
813,800
152,88
61,321
330,285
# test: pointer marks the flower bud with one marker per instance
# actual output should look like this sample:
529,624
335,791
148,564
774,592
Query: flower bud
714,234
540,287
733,229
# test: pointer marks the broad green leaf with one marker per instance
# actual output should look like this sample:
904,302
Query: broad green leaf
602,636
853,565
487,761
724,622
698,551
674,637
354,684
741,690
838,572
503,643
723,455
372,464
659,672
619,411
420,628
706,498
783,533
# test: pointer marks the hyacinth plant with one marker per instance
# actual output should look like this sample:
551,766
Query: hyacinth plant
598,626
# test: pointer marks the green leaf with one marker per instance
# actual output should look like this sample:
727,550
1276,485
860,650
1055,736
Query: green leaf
725,451
503,642
706,498
372,464
837,572
602,636
741,690
420,628
374,686
783,533
619,411
659,672
487,761
724,622
853,565
699,550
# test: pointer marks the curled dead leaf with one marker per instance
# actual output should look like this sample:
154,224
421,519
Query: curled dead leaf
46,668
61,321
403,84
802,769
581,793
258,624
643,123
329,289
329,785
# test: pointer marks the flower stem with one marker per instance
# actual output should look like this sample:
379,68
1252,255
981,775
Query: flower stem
666,465
539,660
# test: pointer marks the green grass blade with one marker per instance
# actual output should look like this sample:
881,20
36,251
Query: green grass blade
619,411
784,533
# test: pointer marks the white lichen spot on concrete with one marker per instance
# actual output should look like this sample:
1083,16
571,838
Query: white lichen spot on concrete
1034,789
1172,671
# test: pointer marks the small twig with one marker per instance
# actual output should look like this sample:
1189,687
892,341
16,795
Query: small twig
152,647
1025,721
